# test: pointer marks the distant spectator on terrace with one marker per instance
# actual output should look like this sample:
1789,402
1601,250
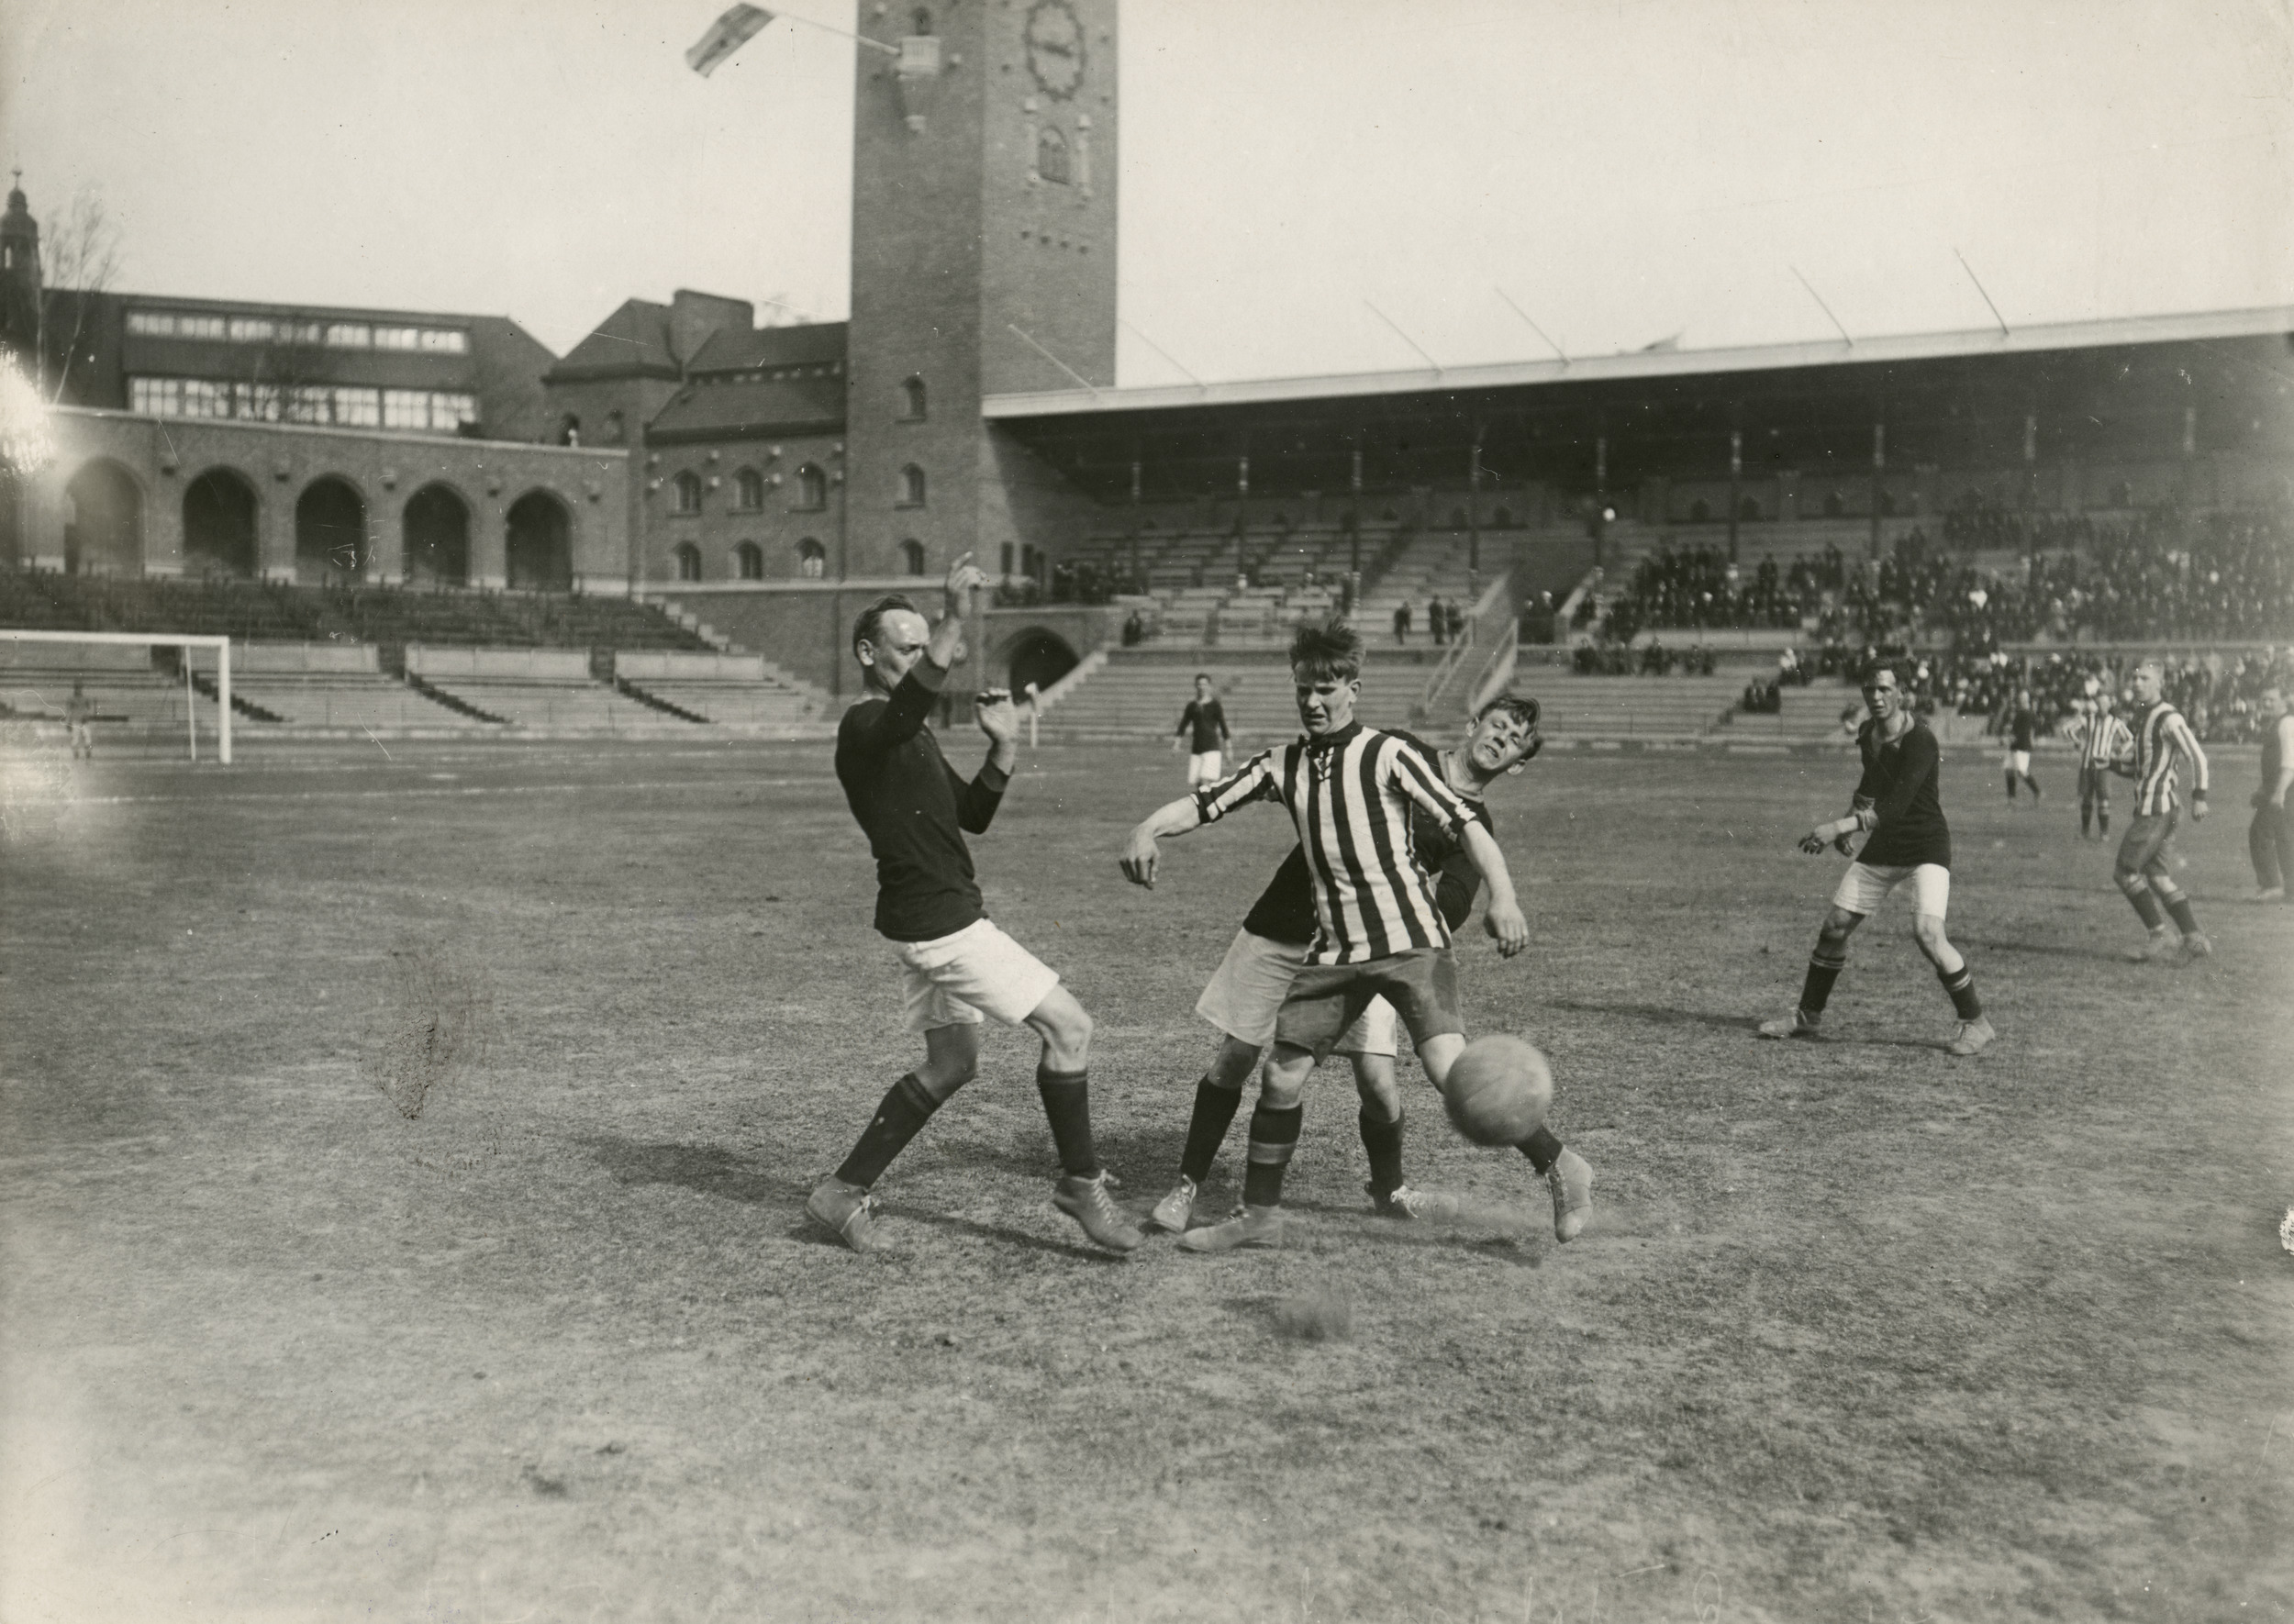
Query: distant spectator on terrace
1401,622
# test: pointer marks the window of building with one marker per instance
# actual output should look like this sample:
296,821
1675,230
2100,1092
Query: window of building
689,559
749,561
617,432
685,494
747,490
1748,509
445,341
199,326
1699,511
305,405
1005,561
358,408
912,557
302,332
1502,518
151,324
812,488
1834,505
252,330
922,20
1051,156
1457,519
812,559
258,402
911,486
912,400
397,337
157,397
349,335
206,399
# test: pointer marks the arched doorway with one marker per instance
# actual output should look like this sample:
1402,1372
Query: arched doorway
541,550
1040,657
435,531
102,534
219,525
330,533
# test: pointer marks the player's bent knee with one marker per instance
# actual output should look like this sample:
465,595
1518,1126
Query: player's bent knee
2130,881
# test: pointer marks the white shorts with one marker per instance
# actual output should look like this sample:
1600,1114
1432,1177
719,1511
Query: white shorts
952,980
1864,887
1203,768
2019,762
1246,993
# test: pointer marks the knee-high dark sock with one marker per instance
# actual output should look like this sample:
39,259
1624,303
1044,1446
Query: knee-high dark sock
1542,1148
1067,1106
1961,984
1817,990
2010,784
1206,1129
2087,816
1274,1136
905,1108
2178,905
2102,818
2138,890
1383,1141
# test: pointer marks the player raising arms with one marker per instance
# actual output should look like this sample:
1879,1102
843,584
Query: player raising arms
1379,933
1897,800
954,963
1246,993
2161,740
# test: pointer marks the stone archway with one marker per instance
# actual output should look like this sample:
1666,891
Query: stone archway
219,509
1037,655
330,541
435,531
539,548
102,534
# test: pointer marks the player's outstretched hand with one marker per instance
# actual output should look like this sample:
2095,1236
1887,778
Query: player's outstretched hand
998,717
1139,857
1812,844
2198,808
1505,922
1845,844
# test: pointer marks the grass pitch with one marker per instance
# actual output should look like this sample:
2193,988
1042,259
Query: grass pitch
405,1161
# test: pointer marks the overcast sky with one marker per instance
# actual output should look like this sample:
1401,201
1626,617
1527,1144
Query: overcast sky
1624,169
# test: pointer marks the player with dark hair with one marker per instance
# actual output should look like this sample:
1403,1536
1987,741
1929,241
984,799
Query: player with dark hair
1203,724
1379,929
1245,996
1896,800
2023,730
2270,837
2103,739
955,963
2144,870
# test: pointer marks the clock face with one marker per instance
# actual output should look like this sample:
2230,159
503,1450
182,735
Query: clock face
1056,47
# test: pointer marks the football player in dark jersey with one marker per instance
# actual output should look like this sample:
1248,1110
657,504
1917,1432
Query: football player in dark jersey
1897,801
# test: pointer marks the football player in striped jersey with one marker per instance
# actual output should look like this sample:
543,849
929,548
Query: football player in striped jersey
2102,739
1379,932
2162,744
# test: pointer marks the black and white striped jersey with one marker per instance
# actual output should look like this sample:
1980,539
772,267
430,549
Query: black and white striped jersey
2160,736
1349,795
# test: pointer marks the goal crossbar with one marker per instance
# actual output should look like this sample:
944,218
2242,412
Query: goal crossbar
173,639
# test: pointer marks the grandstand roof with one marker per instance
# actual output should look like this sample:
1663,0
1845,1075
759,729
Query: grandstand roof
2158,386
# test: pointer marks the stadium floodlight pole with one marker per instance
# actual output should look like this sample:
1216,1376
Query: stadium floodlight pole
1964,265
1406,339
1827,310
1081,381
1540,331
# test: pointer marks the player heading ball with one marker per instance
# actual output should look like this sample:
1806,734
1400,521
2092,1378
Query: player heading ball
956,966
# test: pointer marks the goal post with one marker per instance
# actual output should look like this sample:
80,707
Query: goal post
186,641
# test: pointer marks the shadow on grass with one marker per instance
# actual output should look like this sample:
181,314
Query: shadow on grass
2053,949
707,1170
996,1232
1663,1015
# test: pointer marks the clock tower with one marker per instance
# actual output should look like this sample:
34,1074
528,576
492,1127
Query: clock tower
984,237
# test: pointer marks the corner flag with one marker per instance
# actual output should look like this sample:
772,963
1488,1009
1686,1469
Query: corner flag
727,34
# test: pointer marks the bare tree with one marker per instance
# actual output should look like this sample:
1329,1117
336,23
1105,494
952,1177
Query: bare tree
79,262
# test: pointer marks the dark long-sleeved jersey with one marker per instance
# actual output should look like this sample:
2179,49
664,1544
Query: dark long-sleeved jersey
915,809
1899,787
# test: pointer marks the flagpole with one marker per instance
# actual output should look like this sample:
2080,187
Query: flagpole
827,28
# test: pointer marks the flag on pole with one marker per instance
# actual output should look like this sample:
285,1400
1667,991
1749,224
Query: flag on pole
727,34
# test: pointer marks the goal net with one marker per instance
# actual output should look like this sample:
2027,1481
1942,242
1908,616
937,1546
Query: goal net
90,689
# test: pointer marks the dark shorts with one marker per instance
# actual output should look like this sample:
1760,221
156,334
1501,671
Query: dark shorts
2094,783
1327,999
2142,849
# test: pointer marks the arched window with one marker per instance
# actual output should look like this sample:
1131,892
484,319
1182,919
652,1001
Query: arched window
689,559
1887,504
747,490
912,557
812,488
684,492
912,400
1502,518
1051,156
616,431
1834,505
812,559
1457,519
1699,511
1748,509
911,486
922,20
